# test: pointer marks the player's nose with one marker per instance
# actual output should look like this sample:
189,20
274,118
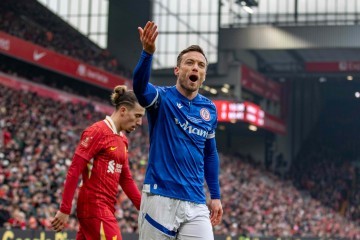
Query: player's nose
139,122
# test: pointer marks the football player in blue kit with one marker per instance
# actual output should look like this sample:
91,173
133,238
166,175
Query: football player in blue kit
182,151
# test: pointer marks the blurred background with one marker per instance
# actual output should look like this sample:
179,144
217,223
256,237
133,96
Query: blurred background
284,75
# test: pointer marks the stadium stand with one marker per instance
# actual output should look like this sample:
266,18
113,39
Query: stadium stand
33,22
34,164
319,198
326,166
52,79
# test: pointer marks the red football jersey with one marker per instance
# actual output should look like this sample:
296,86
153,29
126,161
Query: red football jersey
105,167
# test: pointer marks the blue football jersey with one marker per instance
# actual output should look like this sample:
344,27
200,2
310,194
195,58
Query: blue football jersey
178,130
182,150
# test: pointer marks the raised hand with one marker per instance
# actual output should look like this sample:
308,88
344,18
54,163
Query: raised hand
148,36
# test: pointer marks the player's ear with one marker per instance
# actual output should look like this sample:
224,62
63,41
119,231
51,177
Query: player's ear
203,80
176,71
122,110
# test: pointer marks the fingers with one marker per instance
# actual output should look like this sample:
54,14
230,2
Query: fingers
140,32
143,32
150,31
154,35
148,36
213,217
216,212
149,26
216,217
57,225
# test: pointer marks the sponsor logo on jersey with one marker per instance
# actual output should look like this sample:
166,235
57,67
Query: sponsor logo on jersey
194,119
191,129
112,167
205,114
118,168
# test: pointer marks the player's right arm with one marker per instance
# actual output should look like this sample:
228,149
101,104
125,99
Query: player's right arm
144,91
90,144
78,164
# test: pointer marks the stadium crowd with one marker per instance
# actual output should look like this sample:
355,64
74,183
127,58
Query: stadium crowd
29,20
39,136
258,203
328,169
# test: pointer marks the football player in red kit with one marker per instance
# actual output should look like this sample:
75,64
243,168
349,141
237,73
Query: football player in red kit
101,158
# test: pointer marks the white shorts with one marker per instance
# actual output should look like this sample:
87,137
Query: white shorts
163,218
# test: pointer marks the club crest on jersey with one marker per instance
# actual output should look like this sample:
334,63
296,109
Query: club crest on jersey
85,143
205,114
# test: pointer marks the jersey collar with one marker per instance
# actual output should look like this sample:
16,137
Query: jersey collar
179,95
110,123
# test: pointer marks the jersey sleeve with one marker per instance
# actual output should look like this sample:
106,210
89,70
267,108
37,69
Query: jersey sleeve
212,162
128,184
145,92
211,168
90,143
78,164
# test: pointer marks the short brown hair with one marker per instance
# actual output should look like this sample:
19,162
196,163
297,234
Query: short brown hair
122,96
192,48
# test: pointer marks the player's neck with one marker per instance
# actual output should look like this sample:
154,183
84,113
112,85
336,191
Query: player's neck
116,122
188,94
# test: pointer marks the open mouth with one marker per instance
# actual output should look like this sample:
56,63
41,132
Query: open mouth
193,78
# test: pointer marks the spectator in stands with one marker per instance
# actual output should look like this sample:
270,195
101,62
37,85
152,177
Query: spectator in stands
4,212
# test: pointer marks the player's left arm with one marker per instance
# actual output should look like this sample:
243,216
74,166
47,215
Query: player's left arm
211,170
129,186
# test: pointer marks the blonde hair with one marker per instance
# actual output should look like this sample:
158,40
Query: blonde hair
122,96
